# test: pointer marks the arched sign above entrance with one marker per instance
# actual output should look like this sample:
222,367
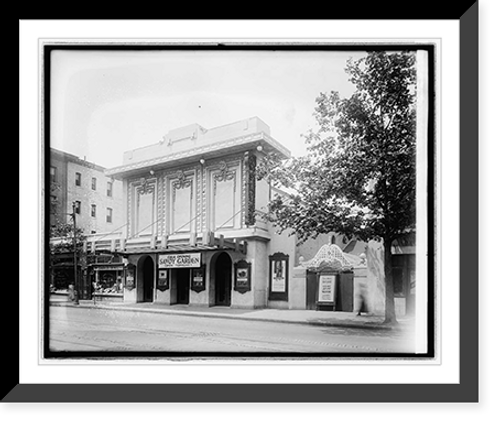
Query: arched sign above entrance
330,256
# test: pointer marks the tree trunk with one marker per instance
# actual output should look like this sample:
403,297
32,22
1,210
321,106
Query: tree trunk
390,310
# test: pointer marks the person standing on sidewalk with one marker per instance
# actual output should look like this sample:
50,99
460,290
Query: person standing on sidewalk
361,300
71,292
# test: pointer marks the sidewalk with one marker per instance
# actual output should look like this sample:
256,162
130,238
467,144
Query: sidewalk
307,317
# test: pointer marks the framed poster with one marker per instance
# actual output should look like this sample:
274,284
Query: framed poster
242,276
198,283
278,276
327,289
130,276
163,281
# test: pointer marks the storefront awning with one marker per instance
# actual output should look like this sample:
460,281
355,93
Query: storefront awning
108,267
64,265
178,249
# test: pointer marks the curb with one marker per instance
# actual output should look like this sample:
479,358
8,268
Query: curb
336,323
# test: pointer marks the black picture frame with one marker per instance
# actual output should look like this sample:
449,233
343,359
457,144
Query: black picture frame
163,279
198,279
274,260
242,276
333,289
130,278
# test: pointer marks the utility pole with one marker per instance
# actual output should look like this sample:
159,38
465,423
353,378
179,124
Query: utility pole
75,265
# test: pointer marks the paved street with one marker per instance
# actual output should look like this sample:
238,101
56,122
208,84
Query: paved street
101,330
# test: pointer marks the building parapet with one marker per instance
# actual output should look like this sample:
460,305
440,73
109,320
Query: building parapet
65,156
214,143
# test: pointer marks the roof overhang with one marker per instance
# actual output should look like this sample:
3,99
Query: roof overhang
175,249
207,152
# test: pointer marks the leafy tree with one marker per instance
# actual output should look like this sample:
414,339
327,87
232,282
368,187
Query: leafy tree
64,239
359,176
67,234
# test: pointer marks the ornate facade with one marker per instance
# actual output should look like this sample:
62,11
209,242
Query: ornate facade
195,232
195,235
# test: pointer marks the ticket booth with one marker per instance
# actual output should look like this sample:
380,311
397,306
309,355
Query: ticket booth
329,290
329,280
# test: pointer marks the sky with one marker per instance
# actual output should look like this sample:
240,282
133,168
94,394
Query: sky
104,103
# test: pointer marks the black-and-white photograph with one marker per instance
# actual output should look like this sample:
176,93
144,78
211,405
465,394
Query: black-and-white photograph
214,200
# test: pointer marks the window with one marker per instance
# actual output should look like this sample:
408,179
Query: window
78,204
53,174
53,204
109,190
78,179
93,210
109,215
94,183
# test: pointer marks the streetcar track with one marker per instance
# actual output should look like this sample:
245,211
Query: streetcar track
207,336
52,340
227,339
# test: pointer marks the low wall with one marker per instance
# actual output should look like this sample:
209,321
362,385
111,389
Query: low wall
297,288
363,301
108,297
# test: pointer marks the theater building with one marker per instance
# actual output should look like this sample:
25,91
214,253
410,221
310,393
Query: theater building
195,233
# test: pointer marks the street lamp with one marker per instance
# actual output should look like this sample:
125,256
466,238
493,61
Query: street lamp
73,216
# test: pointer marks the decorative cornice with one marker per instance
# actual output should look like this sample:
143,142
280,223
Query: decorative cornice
225,174
203,150
182,181
146,186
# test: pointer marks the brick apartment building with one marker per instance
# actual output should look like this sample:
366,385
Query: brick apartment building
97,202
98,198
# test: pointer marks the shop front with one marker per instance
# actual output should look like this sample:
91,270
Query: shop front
181,278
211,278
105,277
62,275
108,282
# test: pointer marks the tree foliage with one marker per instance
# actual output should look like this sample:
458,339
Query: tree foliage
64,236
64,239
359,176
